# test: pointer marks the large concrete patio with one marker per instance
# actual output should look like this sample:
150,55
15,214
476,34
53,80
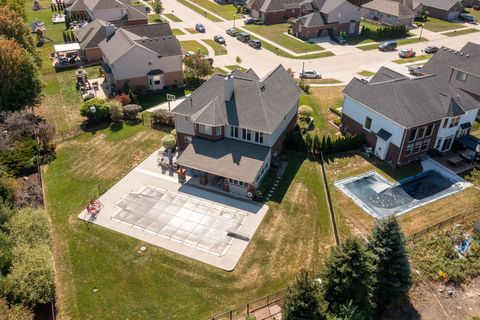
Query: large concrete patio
155,208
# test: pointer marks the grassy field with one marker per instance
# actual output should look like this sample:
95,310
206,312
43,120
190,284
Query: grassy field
218,48
275,33
417,58
366,73
292,236
172,17
320,81
460,32
475,13
437,25
177,32
192,45
153,18
281,53
225,11
199,10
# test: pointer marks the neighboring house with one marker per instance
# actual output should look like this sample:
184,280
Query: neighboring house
271,11
390,12
329,17
233,126
443,9
146,57
119,12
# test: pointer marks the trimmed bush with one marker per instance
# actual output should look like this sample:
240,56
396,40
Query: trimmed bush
169,142
116,110
305,111
95,110
163,117
14,311
380,34
21,159
295,141
123,98
30,227
131,111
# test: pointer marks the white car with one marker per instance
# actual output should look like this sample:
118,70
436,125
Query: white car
310,74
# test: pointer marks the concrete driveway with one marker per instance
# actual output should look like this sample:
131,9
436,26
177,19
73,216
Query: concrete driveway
345,65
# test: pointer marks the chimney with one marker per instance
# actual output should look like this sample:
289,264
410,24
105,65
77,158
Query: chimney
228,87
110,29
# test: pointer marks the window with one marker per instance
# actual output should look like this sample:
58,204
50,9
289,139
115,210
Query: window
409,149
218,131
368,123
157,80
234,132
429,131
447,143
438,144
425,144
445,122
244,134
413,134
421,133
187,139
461,76
249,135
258,137
185,118
454,123
205,129
416,147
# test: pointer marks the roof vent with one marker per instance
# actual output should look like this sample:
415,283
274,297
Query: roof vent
467,55
455,52
262,87
450,50
461,53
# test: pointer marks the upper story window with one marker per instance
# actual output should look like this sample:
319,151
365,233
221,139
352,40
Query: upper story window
258,137
186,118
445,122
413,134
234,132
205,129
368,123
218,131
421,133
429,131
462,76
454,122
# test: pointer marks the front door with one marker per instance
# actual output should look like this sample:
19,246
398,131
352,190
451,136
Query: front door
381,148
351,27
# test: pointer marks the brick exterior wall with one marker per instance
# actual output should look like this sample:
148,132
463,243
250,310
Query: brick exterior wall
134,83
278,145
93,54
173,78
309,33
279,16
181,140
433,138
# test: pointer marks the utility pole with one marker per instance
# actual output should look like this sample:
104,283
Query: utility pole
421,31
234,16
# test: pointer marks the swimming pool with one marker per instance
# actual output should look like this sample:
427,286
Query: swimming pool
380,198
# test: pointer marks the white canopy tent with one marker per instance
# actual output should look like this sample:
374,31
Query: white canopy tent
67,47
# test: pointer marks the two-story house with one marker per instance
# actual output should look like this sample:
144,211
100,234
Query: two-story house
405,118
390,12
119,12
234,125
146,57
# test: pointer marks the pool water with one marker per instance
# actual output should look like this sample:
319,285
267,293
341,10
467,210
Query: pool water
380,198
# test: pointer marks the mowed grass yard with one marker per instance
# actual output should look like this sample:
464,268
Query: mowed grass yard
276,33
159,284
437,25
217,48
226,11
194,46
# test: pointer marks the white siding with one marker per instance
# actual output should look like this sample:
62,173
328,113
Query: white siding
270,139
184,126
344,13
359,112
447,132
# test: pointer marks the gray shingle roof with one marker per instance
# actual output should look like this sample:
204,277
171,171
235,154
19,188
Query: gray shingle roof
441,4
212,114
324,6
229,158
412,102
385,74
104,4
259,105
77,6
92,34
312,20
391,7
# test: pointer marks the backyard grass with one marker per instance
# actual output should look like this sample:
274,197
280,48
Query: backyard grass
366,73
151,99
475,13
172,17
281,53
194,46
417,58
275,33
225,11
437,25
235,67
218,48
460,32
177,32
199,10
292,236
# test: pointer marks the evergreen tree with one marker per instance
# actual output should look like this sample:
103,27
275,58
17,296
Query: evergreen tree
302,300
387,245
348,276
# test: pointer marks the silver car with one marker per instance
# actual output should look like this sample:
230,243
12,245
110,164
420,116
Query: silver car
310,74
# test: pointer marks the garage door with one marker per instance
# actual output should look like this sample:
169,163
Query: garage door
453,15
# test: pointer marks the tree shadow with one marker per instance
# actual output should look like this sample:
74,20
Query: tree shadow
403,310
115,127
94,127
295,161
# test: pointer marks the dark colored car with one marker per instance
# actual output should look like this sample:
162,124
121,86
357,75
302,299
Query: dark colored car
243,36
468,18
430,49
200,27
219,39
257,44
339,39
232,32
387,46
249,20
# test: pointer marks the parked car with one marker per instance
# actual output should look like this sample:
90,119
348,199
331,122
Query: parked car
257,44
249,20
232,32
310,74
430,49
415,70
468,18
200,27
219,39
387,45
243,36
339,39
407,53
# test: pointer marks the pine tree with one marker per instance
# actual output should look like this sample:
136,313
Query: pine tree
348,276
387,245
302,300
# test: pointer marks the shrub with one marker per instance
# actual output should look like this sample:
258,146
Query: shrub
7,186
163,117
131,111
21,159
32,276
169,142
389,32
14,311
123,98
174,133
116,111
336,111
29,195
305,111
304,86
30,227
95,110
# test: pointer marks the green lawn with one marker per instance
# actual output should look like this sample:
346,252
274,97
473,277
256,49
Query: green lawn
475,13
320,81
199,10
153,18
400,42
371,25
218,48
235,67
460,32
151,99
281,53
358,40
172,17
225,11
177,32
292,236
275,33
417,58
366,73
192,45
437,25
321,99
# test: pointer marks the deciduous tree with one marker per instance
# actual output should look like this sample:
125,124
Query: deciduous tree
197,67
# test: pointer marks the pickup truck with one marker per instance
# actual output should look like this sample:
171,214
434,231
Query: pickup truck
415,70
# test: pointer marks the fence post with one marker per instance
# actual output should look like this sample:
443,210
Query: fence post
248,309
231,314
